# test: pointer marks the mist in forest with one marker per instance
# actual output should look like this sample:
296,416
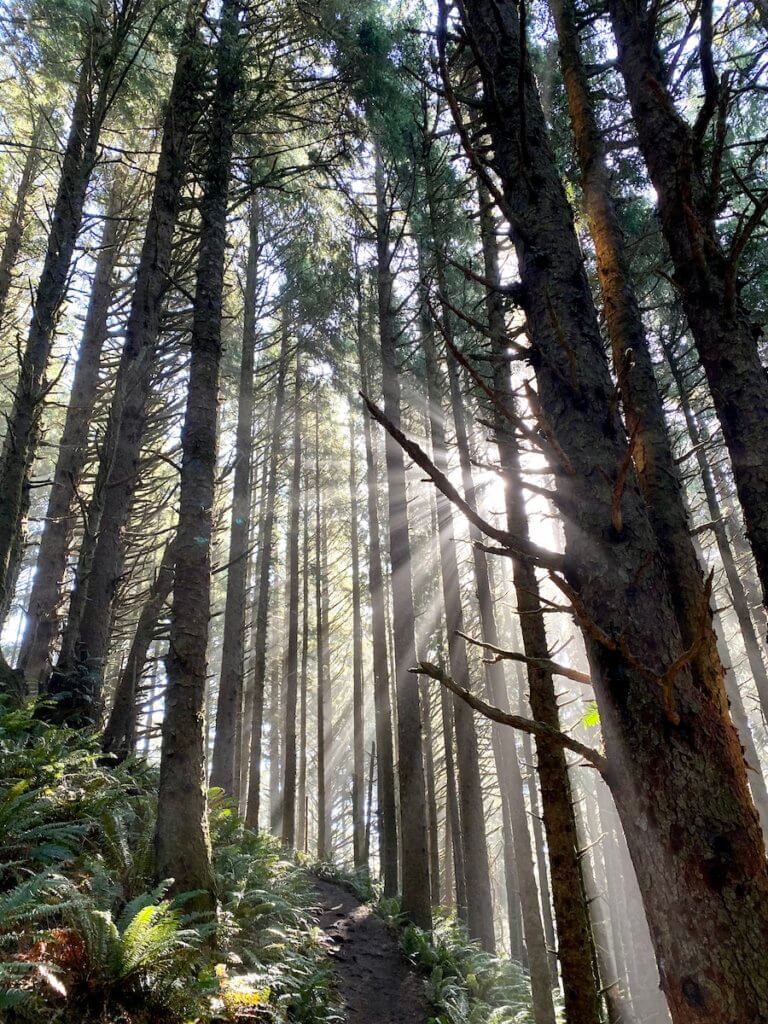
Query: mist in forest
383,512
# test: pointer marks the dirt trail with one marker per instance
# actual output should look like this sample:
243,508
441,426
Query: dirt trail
375,981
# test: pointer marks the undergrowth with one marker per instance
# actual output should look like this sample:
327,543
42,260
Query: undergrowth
86,934
464,983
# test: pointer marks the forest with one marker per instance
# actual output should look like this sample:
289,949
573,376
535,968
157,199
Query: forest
383,511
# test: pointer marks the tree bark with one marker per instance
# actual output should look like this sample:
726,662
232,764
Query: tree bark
291,668
60,517
413,814
233,646
385,774
261,621
676,767
182,843
705,273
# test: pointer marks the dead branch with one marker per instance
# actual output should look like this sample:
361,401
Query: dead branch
518,546
554,667
547,444
529,725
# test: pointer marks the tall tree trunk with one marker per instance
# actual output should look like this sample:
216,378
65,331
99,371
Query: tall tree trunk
233,644
675,764
705,273
60,517
385,774
120,732
448,872
369,807
413,813
301,785
327,690
477,875
739,600
605,910
275,792
263,589
429,569
574,937
85,640
647,998
739,542
543,864
452,810
22,426
618,1006
738,578
434,638
18,218
291,669
656,468
257,516
321,633
535,937
181,841
431,790
324,816
358,696
276,706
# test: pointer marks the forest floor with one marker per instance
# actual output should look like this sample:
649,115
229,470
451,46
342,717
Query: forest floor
375,981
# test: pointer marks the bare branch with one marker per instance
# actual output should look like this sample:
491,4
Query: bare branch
554,667
518,546
529,725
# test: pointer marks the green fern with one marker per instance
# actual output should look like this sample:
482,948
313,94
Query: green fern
84,935
466,984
